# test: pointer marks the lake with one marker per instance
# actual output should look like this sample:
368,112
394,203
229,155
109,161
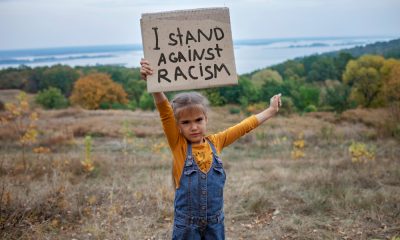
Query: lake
250,54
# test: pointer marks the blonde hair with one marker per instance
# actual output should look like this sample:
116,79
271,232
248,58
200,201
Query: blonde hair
192,101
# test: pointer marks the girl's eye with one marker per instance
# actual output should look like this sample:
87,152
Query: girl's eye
199,119
184,122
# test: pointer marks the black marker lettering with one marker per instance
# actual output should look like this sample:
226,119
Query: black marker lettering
156,35
189,37
200,32
190,73
178,72
162,59
216,68
208,69
179,35
162,74
220,31
174,42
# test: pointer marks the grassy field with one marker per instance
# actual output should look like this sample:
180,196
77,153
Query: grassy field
291,178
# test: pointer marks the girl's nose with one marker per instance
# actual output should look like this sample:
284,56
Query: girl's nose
193,126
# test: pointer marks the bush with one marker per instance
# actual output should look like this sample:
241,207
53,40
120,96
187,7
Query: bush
97,88
146,102
120,106
234,110
132,105
338,97
214,97
310,108
51,98
288,106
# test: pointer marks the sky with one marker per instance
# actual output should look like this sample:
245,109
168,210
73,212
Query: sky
58,23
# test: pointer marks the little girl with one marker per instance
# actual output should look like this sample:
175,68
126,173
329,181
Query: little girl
198,172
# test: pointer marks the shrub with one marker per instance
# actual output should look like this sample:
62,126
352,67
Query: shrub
96,88
214,97
118,106
51,98
310,108
287,106
146,102
338,97
234,110
132,105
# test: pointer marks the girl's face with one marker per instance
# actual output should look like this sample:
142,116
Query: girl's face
193,125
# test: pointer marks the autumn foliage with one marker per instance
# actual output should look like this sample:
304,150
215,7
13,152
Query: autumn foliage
97,88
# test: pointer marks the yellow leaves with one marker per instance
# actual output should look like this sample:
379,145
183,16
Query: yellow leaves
13,109
88,164
96,88
299,143
298,147
91,200
34,116
360,153
41,150
29,137
296,154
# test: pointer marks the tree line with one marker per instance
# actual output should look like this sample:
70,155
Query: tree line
328,82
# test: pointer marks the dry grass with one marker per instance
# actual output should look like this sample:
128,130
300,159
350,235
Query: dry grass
268,195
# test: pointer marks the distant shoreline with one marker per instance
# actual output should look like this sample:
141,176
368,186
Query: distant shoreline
250,54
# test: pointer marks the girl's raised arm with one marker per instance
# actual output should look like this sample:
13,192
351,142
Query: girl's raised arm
274,106
146,70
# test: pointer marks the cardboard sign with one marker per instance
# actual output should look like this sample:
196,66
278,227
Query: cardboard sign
188,49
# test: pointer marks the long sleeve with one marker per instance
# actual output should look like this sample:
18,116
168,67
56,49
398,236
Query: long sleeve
169,124
230,135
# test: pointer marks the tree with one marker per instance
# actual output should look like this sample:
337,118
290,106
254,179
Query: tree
96,88
308,95
146,102
58,76
364,76
14,78
290,69
51,98
260,77
341,61
135,89
322,69
337,96
390,74
271,87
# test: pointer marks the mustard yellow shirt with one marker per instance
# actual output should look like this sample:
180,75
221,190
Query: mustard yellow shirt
201,152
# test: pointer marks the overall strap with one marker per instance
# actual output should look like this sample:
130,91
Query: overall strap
212,147
216,158
189,157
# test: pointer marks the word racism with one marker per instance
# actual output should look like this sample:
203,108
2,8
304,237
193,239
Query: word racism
194,71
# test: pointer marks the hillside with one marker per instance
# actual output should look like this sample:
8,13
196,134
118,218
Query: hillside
390,49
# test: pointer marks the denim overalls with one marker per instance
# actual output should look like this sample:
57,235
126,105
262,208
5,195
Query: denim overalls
199,200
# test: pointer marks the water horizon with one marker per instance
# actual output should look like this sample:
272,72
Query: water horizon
250,54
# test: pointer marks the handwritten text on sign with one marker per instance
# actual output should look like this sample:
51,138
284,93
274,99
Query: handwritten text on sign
189,49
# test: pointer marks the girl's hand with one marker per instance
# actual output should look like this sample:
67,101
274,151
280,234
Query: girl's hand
275,102
145,69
